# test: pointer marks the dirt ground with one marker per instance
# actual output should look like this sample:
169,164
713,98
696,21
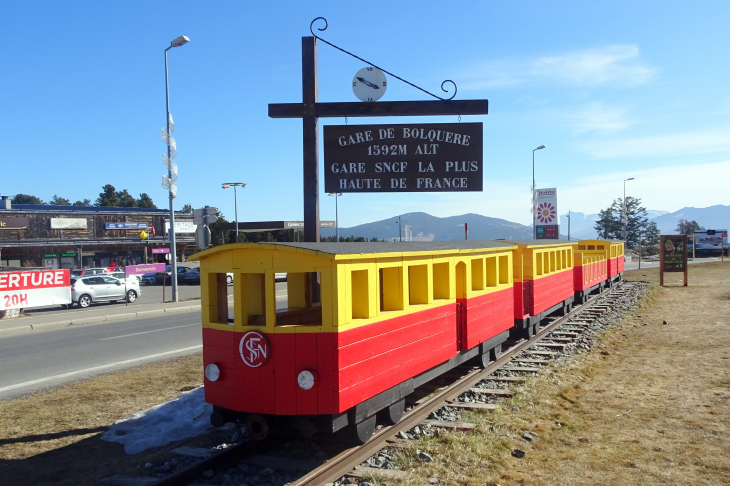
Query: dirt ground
650,405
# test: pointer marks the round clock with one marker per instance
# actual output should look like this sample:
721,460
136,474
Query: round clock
369,84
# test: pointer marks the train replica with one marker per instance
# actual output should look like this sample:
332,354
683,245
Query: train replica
360,325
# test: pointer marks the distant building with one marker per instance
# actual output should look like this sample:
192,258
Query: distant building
87,236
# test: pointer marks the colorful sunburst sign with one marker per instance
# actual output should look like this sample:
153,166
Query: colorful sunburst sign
546,213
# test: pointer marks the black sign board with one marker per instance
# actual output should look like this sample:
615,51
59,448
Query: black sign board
548,232
672,256
434,157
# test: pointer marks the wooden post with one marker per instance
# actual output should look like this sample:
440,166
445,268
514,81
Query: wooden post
310,139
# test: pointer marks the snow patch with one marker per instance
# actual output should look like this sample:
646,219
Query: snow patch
184,417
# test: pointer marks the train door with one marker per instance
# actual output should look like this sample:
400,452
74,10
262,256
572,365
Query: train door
460,305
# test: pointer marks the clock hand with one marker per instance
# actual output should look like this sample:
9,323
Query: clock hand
368,83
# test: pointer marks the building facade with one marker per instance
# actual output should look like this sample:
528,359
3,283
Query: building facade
87,236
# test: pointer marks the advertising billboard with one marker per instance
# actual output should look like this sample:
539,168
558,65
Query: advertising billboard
22,290
546,207
711,240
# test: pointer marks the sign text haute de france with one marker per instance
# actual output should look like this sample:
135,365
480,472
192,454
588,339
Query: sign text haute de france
434,157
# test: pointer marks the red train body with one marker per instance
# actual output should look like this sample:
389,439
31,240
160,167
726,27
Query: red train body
381,319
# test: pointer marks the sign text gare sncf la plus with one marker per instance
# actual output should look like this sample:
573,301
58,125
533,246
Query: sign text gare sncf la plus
403,158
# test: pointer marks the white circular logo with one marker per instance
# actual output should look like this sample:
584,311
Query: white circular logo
254,349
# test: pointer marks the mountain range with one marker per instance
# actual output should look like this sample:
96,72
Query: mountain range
425,227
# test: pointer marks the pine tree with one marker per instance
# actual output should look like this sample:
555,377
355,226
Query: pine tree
85,202
126,199
60,201
687,227
607,225
108,197
145,201
651,234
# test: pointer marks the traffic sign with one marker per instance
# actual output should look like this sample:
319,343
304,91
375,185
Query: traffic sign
207,219
197,213
202,237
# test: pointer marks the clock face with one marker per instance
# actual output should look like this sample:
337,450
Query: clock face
369,84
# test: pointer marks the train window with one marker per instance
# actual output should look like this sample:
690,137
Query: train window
477,274
218,299
552,261
441,281
591,247
417,284
253,287
559,257
492,272
503,270
581,247
538,264
391,289
360,295
600,247
300,307
570,258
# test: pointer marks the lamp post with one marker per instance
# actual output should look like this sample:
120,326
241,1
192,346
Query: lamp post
568,224
337,221
172,190
534,200
400,238
235,199
625,217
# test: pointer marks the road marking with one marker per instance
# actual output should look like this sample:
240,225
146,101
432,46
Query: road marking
97,368
147,332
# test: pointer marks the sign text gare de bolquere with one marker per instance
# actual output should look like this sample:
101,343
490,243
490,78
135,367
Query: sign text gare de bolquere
403,158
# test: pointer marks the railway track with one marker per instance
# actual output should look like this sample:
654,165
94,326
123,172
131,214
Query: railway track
524,357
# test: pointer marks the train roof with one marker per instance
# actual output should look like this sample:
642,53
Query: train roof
541,242
348,250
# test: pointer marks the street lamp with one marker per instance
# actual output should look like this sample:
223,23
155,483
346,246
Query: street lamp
337,221
172,169
625,216
534,200
235,199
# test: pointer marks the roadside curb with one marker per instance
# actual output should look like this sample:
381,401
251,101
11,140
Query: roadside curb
94,320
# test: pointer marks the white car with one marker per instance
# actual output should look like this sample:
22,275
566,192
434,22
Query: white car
103,288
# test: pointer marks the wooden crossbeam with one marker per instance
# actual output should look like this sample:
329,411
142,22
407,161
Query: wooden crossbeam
382,108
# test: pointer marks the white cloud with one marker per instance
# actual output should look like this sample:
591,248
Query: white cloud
597,117
666,188
677,144
617,65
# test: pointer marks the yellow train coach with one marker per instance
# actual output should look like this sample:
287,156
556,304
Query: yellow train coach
357,328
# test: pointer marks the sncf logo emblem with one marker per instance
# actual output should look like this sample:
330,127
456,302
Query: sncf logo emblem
254,349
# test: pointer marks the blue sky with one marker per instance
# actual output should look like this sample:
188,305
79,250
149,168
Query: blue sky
614,89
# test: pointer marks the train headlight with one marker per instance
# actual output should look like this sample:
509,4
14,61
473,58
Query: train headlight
212,372
307,379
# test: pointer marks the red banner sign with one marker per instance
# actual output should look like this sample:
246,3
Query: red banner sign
34,288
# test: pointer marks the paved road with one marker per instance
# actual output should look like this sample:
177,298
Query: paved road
633,265
42,359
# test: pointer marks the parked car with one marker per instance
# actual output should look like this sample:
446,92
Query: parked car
181,271
102,288
192,277
148,278
89,271
121,275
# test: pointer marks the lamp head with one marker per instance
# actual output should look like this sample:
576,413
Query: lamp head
225,186
630,179
540,147
180,41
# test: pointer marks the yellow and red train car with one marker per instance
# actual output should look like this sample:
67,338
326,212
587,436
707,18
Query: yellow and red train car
360,325
614,254
590,271
543,281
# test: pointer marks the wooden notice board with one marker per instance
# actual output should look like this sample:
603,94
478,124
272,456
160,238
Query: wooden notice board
672,256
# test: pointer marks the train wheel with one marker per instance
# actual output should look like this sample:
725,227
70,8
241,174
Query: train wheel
256,427
496,352
483,360
363,431
393,413
530,331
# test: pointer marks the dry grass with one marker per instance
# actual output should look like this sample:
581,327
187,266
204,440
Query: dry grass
52,435
650,406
